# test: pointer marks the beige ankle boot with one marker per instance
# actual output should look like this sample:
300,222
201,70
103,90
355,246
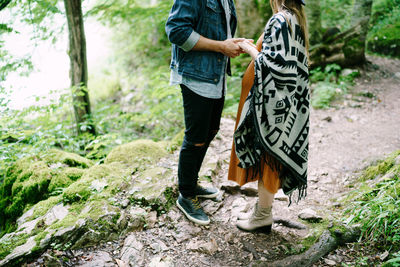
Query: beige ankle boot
260,221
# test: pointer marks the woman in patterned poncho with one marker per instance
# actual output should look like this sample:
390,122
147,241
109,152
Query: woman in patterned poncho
271,137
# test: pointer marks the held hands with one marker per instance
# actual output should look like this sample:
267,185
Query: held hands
231,47
248,47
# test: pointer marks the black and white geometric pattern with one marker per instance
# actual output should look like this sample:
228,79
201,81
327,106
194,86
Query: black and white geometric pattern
275,116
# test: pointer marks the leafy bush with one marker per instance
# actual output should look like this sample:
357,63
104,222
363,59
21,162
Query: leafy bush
329,83
336,13
384,36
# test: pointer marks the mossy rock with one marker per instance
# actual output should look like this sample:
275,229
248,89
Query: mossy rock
98,182
155,187
70,159
385,40
382,167
10,241
35,178
137,153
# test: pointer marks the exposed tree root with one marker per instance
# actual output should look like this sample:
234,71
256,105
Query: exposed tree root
328,242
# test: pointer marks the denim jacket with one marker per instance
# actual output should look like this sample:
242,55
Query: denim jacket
187,20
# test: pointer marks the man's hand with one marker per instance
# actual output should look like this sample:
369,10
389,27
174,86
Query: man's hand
230,47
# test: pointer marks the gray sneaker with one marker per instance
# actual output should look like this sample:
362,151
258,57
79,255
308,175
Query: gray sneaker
192,210
208,192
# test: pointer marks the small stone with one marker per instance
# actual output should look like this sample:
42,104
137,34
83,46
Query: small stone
281,196
209,247
99,259
211,207
384,255
125,203
160,261
121,263
347,72
330,262
156,247
397,75
151,219
131,250
309,215
328,119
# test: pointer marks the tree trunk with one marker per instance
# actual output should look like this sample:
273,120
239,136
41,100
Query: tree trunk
78,66
252,17
4,3
361,15
313,10
344,48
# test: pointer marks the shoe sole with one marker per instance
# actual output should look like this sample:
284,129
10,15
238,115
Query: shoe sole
263,229
209,196
190,218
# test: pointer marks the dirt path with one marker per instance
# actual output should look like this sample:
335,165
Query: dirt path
343,140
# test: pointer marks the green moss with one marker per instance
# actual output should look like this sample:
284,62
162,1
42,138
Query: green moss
40,236
155,187
31,180
137,153
111,175
384,36
42,207
72,217
316,230
176,142
352,48
93,210
381,167
9,243
62,178
74,173
69,159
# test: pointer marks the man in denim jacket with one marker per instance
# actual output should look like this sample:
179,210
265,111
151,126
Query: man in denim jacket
201,35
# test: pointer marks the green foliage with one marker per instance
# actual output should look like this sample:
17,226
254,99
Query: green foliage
384,36
336,13
375,204
329,83
394,262
41,15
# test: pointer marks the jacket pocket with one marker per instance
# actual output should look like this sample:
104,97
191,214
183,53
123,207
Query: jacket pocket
214,5
214,14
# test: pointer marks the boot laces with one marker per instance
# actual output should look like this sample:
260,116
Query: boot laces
196,203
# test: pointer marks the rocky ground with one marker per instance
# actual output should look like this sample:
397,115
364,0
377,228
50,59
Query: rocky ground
361,128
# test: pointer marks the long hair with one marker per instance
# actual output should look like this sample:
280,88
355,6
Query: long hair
296,8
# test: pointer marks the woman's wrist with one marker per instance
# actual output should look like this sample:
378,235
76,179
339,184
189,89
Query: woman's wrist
254,53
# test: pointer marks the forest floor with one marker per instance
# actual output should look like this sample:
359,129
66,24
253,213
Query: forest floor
361,127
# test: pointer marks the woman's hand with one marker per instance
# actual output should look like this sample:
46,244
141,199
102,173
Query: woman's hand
249,47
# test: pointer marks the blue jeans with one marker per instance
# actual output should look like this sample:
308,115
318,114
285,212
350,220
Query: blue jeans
202,119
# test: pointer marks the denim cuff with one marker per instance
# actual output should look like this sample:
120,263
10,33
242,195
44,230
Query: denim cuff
191,41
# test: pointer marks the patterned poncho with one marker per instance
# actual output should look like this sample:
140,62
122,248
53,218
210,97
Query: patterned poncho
274,123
